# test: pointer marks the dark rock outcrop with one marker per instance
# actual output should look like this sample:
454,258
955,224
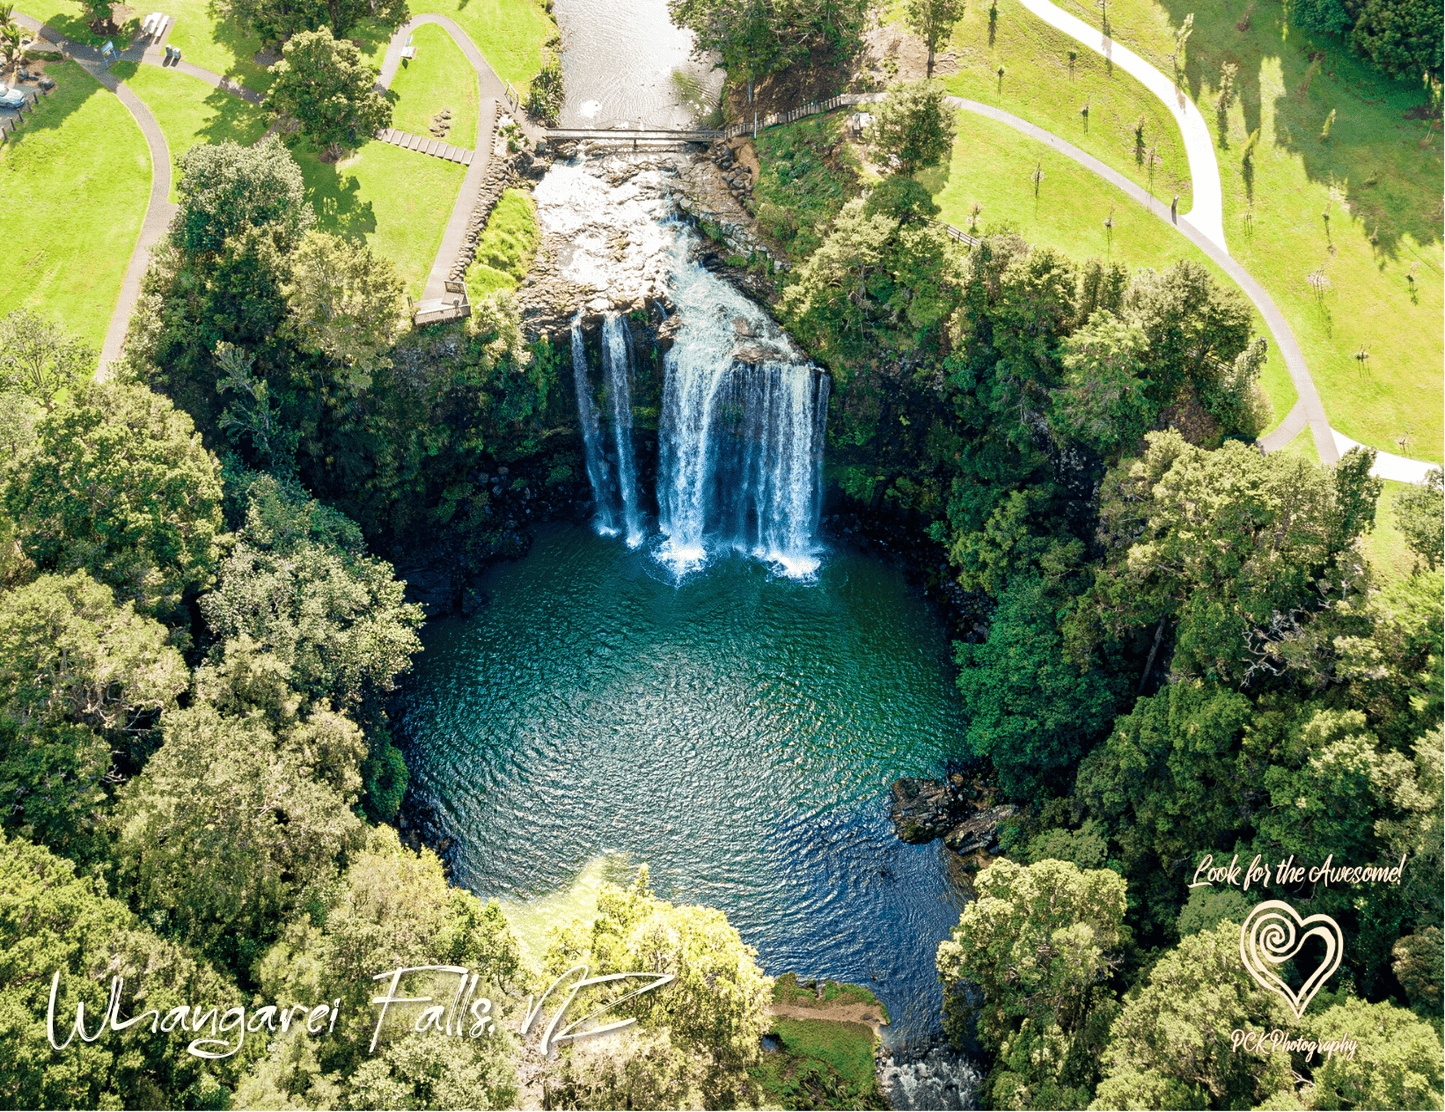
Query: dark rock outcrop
949,809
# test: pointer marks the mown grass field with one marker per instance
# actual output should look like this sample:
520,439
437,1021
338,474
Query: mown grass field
509,33
1067,213
1362,207
438,77
190,112
1043,85
74,181
399,200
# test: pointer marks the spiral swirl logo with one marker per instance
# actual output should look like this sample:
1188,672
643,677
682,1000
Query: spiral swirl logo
1273,934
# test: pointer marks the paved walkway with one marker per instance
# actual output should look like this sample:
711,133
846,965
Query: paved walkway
1312,411
1207,215
1204,224
490,91
159,210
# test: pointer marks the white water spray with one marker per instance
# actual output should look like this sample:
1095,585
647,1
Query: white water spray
617,359
591,434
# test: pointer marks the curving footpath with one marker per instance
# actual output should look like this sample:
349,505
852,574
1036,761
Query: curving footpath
1204,226
1309,409
159,210
1207,215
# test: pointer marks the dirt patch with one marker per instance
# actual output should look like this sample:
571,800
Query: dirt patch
893,54
795,85
836,1012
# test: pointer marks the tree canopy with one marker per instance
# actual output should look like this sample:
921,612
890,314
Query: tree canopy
118,484
323,84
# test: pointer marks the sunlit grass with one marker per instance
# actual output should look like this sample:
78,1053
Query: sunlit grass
1067,213
438,77
1380,186
400,201
507,247
190,112
74,181
1042,85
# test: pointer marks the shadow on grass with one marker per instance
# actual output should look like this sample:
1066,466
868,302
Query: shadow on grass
335,196
73,87
1367,137
77,28
231,118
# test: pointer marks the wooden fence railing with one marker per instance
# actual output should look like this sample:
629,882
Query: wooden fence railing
10,123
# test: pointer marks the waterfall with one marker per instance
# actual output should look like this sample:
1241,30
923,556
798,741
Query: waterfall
740,427
617,358
741,438
591,436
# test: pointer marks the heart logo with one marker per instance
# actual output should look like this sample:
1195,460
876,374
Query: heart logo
1273,934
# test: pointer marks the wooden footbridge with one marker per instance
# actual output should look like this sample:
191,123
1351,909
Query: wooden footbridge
707,135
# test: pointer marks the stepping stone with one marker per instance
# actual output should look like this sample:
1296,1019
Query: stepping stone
413,142
429,147
466,158
385,135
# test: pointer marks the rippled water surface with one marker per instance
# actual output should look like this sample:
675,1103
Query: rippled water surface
737,731
619,61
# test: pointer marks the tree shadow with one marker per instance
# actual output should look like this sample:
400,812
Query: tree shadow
335,196
232,118
1366,134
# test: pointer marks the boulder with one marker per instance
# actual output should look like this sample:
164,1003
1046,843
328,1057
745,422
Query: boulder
921,809
979,831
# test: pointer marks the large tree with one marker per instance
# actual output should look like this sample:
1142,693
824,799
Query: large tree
118,483
231,828
39,359
52,920
1040,943
346,304
1222,546
323,84
714,1011
391,908
1171,1046
226,188
275,21
1030,711
759,37
932,21
80,677
299,586
914,125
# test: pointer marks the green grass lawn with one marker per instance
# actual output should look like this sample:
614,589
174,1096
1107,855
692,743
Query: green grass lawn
72,19
438,77
399,200
1385,544
1380,186
507,247
190,112
820,1064
74,181
1068,215
1042,85
509,33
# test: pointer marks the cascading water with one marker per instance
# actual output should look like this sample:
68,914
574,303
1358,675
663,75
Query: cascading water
743,413
743,417
591,434
617,358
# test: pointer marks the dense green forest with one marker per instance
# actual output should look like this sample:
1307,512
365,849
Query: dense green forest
1169,645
